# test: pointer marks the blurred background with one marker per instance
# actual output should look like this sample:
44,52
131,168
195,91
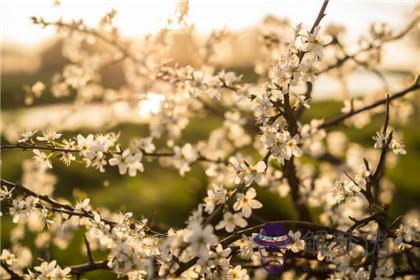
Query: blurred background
30,54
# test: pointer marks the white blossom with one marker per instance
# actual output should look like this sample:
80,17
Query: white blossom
83,206
41,159
68,157
314,42
231,221
297,244
183,158
145,144
248,173
380,140
397,147
52,271
23,208
256,128
246,247
49,136
8,257
281,144
200,239
238,273
215,195
27,135
128,161
345,190
246,202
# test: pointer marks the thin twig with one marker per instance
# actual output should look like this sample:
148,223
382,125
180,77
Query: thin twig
83,268
88,250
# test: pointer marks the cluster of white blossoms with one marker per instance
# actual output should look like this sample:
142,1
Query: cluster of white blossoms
23,208
297,243
396,146
281,144
216,195
298,65
260,143
242,208
346,191
128,160
246,173
183,158
198,82
130,252
49,270
407,231
97,151
95,148
200,240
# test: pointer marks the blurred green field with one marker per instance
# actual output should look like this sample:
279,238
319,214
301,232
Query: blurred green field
160,194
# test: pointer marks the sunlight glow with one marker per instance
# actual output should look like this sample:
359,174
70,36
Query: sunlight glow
151,105
137,18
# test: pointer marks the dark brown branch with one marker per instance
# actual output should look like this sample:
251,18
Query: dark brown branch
25,146
34,194
375,104
294,182
360,223
88,250
83,268
320,16
288,223
374,257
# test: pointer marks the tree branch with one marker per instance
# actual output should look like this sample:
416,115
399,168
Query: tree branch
413,87
83,268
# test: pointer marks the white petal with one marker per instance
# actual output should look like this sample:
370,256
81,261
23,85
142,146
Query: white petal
122,168
260,167
246,211
220,225
255,204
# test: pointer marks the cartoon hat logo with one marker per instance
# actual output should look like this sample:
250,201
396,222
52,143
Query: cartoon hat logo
274,239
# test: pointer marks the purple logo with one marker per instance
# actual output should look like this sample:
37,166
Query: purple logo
274,239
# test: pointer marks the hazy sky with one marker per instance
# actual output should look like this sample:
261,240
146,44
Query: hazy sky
137,17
